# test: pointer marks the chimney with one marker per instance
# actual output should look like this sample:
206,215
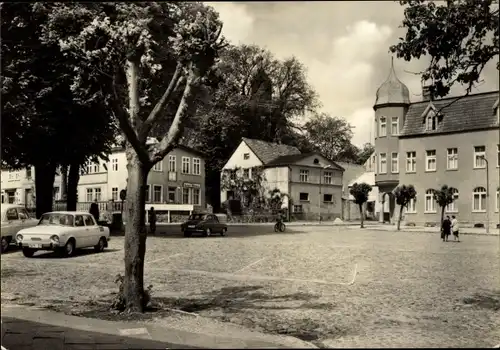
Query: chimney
426,93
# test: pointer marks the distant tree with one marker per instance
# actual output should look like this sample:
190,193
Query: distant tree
365,153
360,193
460,37
443,198
331,136
404,194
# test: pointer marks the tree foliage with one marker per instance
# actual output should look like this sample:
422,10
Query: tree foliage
404,194
460,36
360,193
247,189
444,197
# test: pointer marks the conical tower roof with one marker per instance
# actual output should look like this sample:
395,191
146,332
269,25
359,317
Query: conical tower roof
392,91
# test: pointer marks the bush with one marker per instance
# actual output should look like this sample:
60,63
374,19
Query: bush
119,300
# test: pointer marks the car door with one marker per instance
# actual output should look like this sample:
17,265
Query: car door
25,219
80,232
13,223
216,224
212,223
92,230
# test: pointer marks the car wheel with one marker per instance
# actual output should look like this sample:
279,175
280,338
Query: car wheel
27,252
100,246
208,232
223,232
4,244
69,248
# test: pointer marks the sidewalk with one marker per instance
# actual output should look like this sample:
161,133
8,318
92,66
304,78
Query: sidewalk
29,329
436,230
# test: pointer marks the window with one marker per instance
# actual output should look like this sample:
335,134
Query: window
148,193
382,127
12,214
79,220
304,197
246,155
383,163
28,172
304,175
432,122
114,193
394,162
196,166
157,193
92,167
328,198
185,196
430,160
88,220
158,166
196,196
411,162
232,174
185,165
327,177
171,194
479,199
23,214
246,173
97,193
452,207
430,203
297,209
114,164
394,126
172,164
452,159
89,195
412,208
479,154
56,193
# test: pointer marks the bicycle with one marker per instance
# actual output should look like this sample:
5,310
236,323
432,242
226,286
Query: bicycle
279,226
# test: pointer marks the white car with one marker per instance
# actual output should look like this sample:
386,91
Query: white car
64,232
15,217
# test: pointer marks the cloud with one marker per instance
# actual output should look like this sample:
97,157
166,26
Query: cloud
238,23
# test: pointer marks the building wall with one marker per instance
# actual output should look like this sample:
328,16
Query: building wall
238,160
465,178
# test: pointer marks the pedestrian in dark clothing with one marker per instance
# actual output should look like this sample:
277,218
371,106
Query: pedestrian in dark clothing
94,210
446,229
152,220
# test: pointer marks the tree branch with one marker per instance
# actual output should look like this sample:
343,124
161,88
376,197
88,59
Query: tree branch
122,117
155,113
175,132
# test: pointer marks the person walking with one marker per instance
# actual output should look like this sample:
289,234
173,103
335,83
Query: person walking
454,228
152,220
446,229
94,210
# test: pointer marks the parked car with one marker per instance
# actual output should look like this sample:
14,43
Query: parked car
15,217
206,224
64,232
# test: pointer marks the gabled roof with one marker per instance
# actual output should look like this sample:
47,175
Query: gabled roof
268,151
293,158
473,112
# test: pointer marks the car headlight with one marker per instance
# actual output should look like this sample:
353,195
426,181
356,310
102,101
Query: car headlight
19,237
54,238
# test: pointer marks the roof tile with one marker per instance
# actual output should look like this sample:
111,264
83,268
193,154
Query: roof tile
268,151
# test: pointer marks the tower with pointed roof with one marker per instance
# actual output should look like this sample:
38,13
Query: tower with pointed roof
391,104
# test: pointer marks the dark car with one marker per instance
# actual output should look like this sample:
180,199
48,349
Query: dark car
206,224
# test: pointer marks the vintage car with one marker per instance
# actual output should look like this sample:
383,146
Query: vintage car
15,217
205,224
64,232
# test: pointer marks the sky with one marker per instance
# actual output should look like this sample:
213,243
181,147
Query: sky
344,46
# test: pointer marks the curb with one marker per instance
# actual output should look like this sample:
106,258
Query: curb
155,333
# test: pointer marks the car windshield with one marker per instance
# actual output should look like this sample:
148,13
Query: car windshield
197,217
56,219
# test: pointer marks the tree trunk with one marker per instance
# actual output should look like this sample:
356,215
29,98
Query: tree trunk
135,233
361,214
44,187
400,215
442,216
73,178
64,182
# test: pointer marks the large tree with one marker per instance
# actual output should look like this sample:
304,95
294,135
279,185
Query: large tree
460,36
125,49
404,194
42,123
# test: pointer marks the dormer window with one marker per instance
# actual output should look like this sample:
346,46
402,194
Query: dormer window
432,122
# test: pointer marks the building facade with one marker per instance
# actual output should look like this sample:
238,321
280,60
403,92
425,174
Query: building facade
431,143
178,179
312,184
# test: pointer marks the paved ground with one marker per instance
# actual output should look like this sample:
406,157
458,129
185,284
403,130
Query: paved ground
335,286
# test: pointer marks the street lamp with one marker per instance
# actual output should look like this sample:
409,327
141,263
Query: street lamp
323,167
487,195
